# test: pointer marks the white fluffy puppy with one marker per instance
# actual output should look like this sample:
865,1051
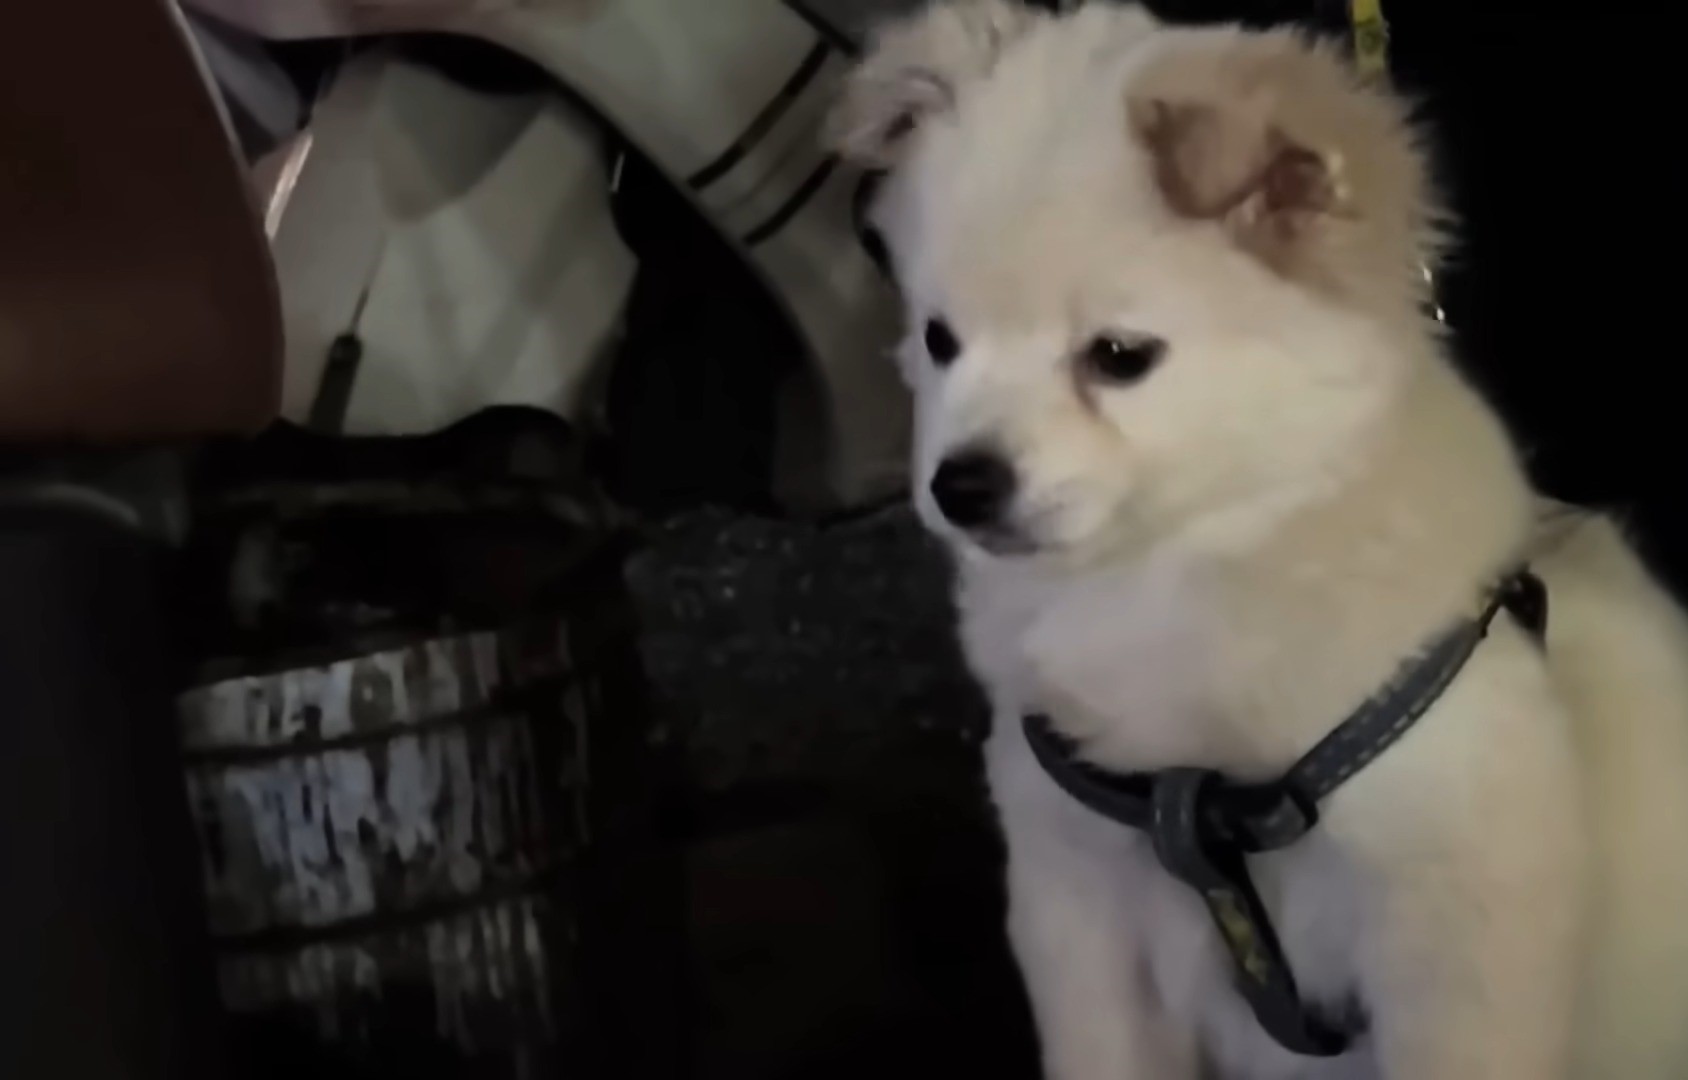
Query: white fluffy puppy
1210,480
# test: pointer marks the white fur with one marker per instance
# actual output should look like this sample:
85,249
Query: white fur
1232,554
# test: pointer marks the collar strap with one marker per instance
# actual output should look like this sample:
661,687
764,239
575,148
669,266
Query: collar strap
1203,824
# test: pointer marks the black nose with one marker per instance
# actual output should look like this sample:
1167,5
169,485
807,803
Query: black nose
973,487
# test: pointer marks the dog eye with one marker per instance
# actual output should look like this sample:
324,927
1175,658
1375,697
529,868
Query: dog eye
1119,360
941,343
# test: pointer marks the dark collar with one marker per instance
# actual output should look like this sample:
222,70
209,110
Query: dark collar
1203,824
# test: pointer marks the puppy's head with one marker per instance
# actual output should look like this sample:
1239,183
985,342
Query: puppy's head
1157,279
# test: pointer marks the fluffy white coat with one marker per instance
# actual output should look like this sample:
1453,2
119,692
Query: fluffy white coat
1214,564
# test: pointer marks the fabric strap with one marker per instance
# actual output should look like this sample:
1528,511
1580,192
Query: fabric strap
1204,824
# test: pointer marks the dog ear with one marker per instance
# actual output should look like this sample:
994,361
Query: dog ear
1210,163
914,70
1276,138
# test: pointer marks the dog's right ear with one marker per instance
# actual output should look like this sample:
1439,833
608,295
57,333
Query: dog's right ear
913,71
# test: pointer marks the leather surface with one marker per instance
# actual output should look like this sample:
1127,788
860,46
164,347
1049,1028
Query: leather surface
136,296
